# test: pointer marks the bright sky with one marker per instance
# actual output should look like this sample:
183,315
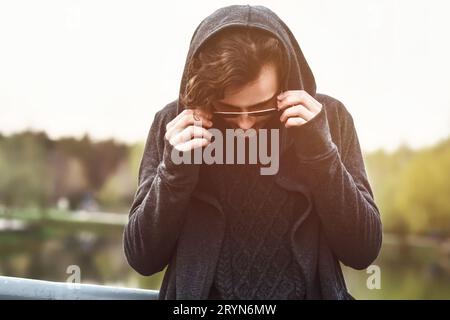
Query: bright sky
105,67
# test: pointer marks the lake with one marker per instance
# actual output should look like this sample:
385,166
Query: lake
44,249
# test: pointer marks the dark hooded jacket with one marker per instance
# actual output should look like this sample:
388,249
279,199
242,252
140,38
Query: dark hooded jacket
174,224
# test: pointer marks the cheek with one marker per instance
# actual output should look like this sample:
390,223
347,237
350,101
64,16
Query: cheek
231,119
263,119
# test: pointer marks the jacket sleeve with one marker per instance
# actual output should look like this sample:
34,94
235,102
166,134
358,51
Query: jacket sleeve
342,196
157,212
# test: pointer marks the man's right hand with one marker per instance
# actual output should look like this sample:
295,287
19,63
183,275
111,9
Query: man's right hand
187,130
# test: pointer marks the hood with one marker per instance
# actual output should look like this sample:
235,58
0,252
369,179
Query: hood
299,76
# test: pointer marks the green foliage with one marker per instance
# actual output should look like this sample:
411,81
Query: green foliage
412,188
118,191
24,173
37,171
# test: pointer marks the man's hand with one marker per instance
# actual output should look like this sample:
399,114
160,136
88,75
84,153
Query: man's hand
299,107
184,132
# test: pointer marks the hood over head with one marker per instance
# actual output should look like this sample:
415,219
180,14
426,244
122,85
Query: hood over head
299,75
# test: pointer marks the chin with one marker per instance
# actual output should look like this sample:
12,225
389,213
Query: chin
256,126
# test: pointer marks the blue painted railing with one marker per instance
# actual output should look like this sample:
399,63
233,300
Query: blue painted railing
20,288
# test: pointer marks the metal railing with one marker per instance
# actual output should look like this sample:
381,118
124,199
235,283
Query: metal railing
20,288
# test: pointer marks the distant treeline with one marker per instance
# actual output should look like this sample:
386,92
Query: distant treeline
411,187
38,171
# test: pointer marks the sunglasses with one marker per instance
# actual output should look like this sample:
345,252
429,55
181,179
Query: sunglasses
258,113
255,113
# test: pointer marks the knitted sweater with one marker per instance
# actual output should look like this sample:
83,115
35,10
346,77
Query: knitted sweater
256,260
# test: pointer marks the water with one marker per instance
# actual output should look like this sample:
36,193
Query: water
44,250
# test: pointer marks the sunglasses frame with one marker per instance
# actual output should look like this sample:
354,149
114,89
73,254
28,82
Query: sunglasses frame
256,113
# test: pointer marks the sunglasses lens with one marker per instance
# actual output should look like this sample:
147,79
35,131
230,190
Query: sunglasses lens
252,114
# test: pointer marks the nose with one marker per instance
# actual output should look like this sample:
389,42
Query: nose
246,122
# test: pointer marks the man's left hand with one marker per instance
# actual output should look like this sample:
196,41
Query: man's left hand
299,107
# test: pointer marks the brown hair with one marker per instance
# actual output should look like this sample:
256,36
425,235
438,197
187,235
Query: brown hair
232,58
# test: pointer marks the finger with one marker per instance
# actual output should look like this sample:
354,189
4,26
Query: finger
202,113
296,111
294,122
178,117
190,119
291,100
188,133
186,121
192,144
189,112
294,97
286,93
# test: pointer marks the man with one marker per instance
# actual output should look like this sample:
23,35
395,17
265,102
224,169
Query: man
225,231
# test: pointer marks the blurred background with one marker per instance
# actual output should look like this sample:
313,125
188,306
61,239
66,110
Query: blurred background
80,82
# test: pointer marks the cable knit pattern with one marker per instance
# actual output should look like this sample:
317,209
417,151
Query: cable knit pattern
256,260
